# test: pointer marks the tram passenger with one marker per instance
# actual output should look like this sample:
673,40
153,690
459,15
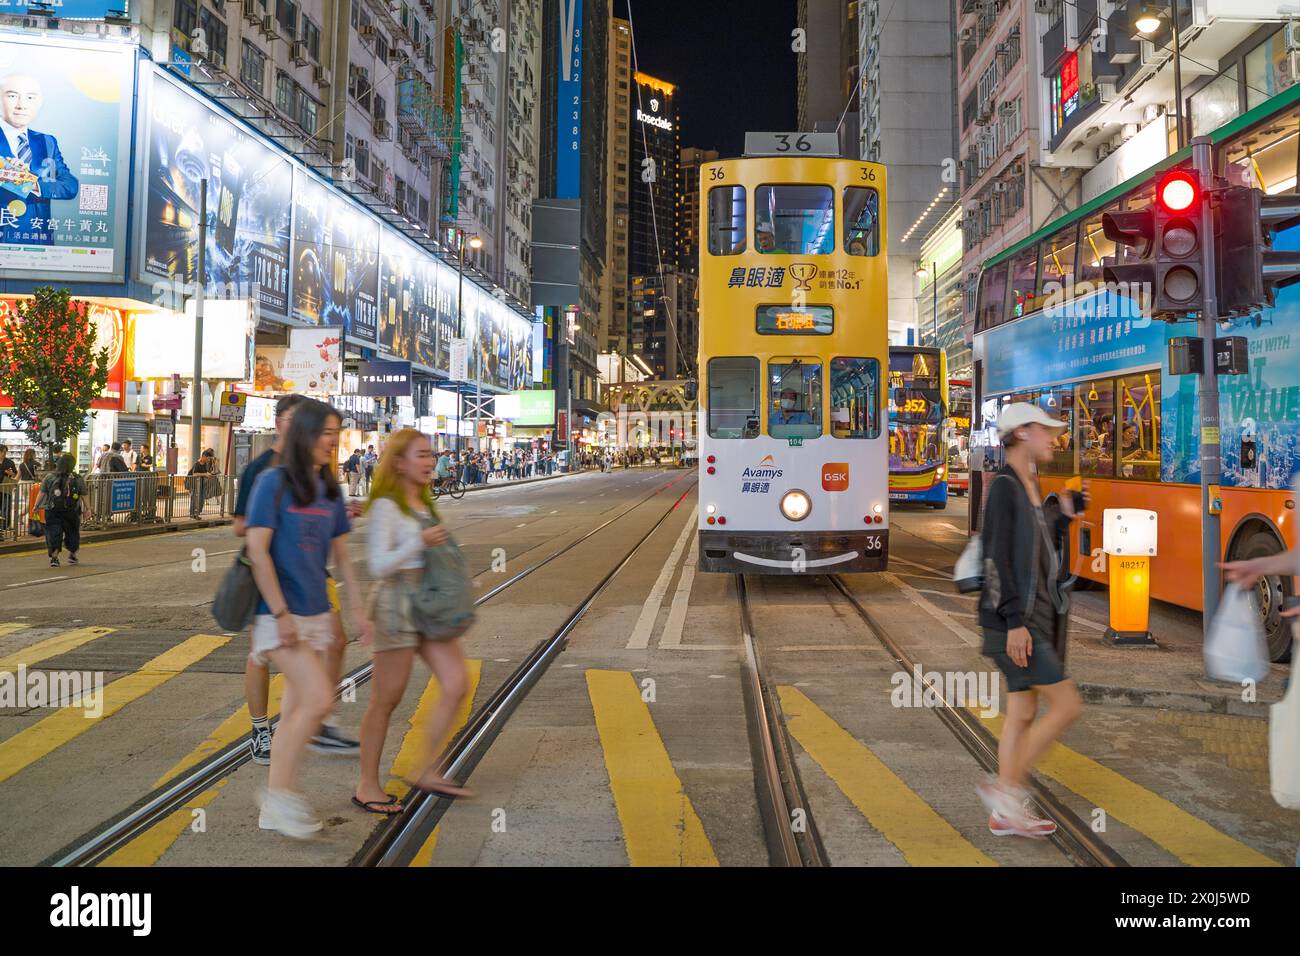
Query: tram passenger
297,521
1024,611
404,524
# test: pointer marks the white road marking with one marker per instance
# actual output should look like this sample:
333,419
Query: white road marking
923,567
952,527
555,512
645,622
821,647
947,594
913,595
23,584
672,633
524,525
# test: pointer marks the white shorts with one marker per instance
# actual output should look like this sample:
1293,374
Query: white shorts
315,630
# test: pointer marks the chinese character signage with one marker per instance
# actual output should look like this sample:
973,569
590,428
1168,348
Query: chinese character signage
336,260
65,140
384,379
248,207
568,102
1069,84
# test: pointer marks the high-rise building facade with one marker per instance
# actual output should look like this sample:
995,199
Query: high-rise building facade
688,203
906,122
613,326
652,221
827,69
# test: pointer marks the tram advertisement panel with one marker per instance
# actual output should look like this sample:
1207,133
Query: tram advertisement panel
336,260
249,184
65,151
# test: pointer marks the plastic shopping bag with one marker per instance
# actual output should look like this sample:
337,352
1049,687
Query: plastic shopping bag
968,572
1284,748
1235,649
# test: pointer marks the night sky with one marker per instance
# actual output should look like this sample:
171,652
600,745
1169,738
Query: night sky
731,61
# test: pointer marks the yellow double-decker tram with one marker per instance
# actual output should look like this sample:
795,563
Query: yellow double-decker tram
793,441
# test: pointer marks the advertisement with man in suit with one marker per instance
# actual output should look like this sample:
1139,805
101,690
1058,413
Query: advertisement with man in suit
64,139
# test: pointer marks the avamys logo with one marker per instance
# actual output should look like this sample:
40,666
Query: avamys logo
763,470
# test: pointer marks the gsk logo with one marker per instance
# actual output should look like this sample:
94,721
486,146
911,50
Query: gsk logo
835,476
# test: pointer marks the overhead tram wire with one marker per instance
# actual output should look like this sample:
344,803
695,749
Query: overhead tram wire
654,219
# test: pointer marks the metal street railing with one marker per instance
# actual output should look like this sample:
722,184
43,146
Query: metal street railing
122,500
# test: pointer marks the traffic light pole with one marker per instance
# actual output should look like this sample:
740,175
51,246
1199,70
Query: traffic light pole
1211,463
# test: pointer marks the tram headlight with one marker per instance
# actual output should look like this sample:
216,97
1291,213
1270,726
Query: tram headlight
711,509
878,508
795,505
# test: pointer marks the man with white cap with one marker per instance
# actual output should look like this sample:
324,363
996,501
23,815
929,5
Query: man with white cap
1023,612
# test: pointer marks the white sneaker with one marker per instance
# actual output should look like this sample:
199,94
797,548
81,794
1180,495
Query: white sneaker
999,800
287,813
1026,823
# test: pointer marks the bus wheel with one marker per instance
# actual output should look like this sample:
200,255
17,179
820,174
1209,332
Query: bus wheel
938,505
1269,594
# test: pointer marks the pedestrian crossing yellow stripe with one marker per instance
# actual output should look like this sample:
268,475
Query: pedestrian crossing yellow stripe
660,825
1187,837
12,628
148,848
890,805
67,723
406,764
51,647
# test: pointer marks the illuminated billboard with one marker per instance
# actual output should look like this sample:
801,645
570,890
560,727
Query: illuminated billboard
247,248
65,146
336,260
568,102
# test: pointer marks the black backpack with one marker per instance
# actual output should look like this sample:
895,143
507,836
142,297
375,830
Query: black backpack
63,495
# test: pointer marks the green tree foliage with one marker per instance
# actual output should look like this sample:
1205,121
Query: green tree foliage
49,366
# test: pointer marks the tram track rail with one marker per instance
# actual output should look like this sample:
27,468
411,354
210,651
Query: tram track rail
398,839
1073,837
98,844
776,776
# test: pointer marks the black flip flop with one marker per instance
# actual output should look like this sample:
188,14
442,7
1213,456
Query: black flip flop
369,805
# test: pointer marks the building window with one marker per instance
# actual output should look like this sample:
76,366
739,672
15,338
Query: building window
186,17
214,28
311,39
286,12
1215,103
252,68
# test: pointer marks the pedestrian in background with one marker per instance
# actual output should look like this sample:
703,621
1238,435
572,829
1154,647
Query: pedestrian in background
99,459
403,524
197,479
1024,612
62,493
128,454
352,470
297,520
368,462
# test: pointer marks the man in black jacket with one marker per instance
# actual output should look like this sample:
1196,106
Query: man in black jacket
1023,611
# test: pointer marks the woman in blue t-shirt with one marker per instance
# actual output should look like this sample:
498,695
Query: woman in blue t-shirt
297,521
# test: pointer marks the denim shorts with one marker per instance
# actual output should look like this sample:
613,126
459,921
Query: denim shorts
1045,667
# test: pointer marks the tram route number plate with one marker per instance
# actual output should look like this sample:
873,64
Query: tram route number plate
795,442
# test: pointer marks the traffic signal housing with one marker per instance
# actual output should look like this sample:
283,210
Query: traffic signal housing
1167,246
1250,269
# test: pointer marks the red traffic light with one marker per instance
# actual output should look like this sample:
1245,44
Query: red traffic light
1178,191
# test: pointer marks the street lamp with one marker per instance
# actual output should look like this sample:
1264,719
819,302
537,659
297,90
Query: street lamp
1150,19
475,243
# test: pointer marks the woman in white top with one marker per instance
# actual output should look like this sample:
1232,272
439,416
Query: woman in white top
403,523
